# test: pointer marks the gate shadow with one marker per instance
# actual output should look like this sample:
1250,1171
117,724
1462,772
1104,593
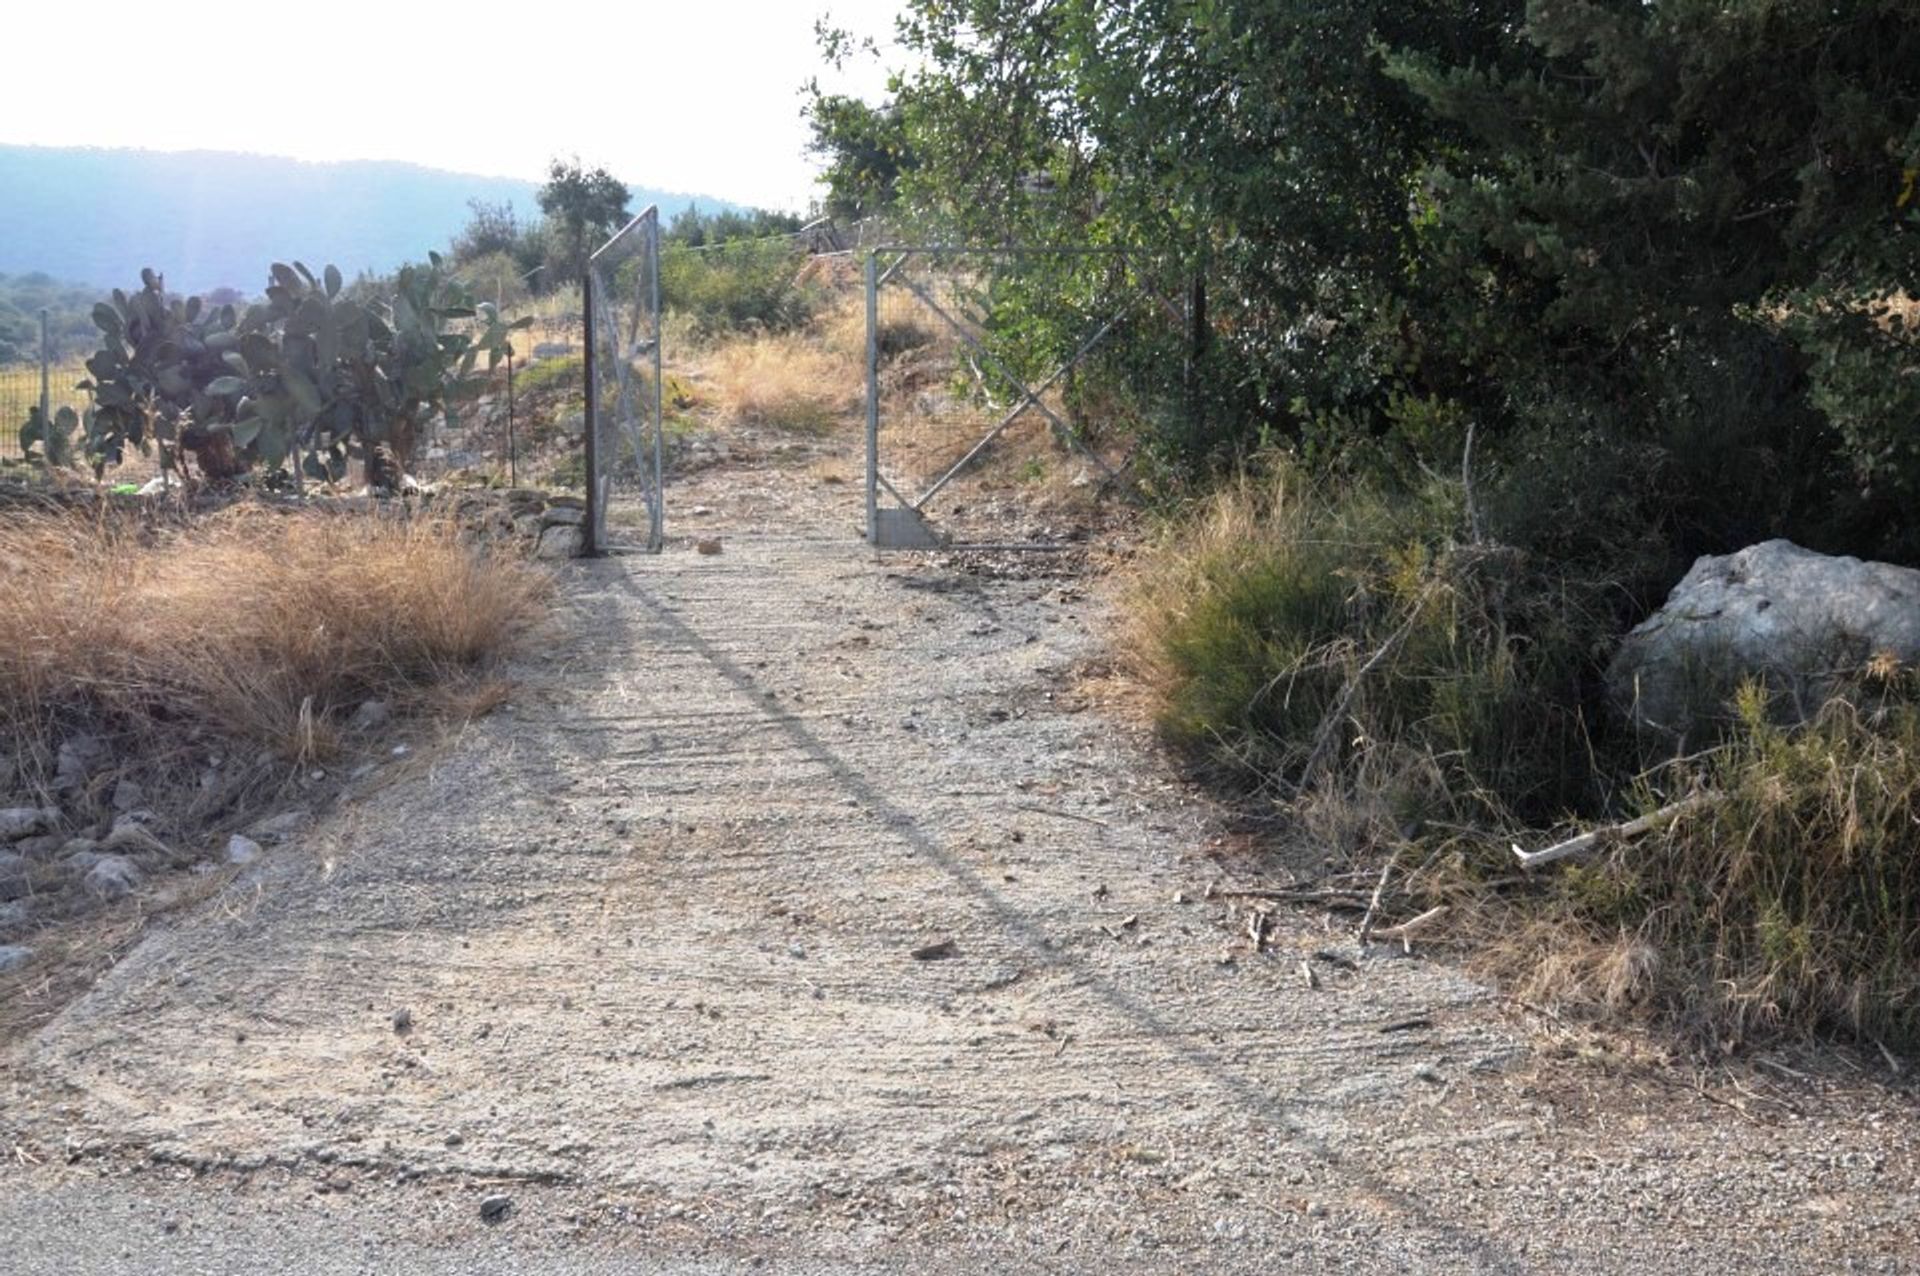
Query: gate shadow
1491,1253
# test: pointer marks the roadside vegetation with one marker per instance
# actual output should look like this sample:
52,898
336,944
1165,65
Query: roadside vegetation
1498,316
251,635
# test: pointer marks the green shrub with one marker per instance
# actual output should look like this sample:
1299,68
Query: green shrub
747,284
1290,627
1350,654
565,371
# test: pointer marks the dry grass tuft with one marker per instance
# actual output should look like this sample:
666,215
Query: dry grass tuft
1790,907
785,381
248,630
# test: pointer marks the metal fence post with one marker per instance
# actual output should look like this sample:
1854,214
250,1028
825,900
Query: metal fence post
873,398
657,533
46,397
513,469
594,512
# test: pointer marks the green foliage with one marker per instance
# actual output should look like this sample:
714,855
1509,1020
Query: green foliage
496,277
584,207
504,258
1662,225
1788,906
696,229
1643,272
1645,236
50,443
733,287
868,149
1283,606
160,367
567,370
68,307
491,228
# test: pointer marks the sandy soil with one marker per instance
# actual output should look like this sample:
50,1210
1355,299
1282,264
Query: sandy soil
804,904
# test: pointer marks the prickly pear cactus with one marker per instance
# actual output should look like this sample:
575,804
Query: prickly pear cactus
308,373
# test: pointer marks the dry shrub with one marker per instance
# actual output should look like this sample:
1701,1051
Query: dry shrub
784,381
1287,625
251,628
905,327
1280,614
1788,907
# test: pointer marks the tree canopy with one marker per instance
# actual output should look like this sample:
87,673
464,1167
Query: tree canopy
1656,257
584,205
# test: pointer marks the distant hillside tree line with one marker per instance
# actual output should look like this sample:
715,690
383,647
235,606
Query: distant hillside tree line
69,330
508,259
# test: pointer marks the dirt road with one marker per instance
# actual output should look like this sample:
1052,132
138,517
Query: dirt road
803,908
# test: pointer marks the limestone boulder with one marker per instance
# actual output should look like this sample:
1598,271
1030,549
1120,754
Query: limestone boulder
1800,621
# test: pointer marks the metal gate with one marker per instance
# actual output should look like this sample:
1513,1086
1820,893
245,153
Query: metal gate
624,444
1003,391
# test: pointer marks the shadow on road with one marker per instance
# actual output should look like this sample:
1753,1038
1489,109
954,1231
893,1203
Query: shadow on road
1246,1092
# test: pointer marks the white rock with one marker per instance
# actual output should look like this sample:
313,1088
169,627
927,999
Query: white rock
1774,610
112,876
371,715
139,818
278,828
79,757
17,822
242,850
128,795
561,541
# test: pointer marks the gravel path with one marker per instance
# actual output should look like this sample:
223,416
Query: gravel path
803,907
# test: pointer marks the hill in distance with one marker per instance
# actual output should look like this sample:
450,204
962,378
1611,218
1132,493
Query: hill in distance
207,219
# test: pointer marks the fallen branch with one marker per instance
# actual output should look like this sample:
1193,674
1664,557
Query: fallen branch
1373,904
1059,815
1405,930
1350,899
1596,838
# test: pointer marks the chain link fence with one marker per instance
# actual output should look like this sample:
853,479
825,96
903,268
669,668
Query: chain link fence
28,389
1008,389
624,443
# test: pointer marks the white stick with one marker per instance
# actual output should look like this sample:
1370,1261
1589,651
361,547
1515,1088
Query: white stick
1406,928
1592,840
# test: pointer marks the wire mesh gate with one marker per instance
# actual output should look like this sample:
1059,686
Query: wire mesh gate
1007,389
624,443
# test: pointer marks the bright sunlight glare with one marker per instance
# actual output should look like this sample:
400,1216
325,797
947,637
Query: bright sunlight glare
703,98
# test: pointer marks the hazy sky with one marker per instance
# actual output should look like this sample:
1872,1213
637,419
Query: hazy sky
691,95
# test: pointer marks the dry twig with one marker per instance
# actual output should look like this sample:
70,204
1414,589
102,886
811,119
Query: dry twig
1595,838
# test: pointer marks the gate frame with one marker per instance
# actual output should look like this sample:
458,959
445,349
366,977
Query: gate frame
652,475
903,526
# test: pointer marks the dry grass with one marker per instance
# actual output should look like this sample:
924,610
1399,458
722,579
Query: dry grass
1786,908
1789,907
248,633
785,381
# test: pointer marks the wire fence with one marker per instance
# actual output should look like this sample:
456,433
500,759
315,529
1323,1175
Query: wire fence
20,389
1008,389
624,441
